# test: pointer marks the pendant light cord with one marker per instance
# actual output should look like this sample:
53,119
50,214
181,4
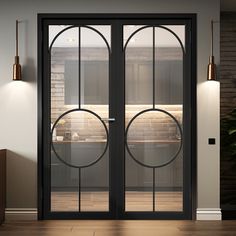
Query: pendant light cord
212,38
16,37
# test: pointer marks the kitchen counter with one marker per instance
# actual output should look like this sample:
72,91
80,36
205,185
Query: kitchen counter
131,141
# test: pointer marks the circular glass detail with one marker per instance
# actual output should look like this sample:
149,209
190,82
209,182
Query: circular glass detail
79,138
153,138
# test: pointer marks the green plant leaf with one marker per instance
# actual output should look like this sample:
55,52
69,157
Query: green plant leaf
228,136
232,131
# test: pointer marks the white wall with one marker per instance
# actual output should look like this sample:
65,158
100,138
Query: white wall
18,104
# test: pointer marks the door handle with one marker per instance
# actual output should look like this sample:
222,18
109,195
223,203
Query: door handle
108,119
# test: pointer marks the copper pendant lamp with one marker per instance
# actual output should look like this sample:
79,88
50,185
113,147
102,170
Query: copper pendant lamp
17,66
211,71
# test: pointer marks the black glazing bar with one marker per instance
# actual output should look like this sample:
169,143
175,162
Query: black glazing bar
79,67
153,188
153,65
79,188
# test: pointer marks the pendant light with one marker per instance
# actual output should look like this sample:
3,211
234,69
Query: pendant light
211,72
17,66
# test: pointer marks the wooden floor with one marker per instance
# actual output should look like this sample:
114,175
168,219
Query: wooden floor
118,228
98,201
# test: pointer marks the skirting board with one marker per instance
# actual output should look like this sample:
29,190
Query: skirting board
209,214
21,214
32,214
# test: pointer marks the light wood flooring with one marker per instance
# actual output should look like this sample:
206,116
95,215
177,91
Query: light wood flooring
118,228
98,201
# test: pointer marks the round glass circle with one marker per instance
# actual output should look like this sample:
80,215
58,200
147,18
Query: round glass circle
153,138
79,138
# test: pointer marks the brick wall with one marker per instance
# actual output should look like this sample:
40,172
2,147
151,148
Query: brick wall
228,102
149,126
227,63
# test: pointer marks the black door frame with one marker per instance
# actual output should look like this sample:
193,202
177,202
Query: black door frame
117,142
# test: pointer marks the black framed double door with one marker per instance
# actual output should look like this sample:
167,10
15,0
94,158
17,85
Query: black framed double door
116,98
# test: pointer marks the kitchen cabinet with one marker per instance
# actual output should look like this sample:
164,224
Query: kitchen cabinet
94,82
168,82
169,176
139,82
97,176
58,169
64,176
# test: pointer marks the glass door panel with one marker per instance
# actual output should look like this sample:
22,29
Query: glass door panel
79,57
153,114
